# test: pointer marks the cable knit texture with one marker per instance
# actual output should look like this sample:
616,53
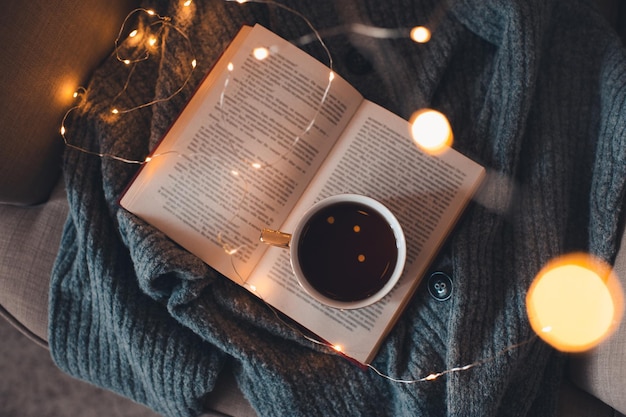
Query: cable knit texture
534,90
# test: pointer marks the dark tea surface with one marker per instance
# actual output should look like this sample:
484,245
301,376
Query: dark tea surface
347,251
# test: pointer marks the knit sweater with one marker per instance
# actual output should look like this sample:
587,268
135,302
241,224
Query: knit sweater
534,91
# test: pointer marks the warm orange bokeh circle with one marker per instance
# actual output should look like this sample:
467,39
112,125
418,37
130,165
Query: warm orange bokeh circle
575,302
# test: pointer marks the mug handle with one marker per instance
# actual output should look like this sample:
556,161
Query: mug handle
275,238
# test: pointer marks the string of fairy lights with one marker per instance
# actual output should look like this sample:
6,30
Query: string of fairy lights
430,130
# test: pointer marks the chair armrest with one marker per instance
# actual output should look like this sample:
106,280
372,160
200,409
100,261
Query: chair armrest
29,241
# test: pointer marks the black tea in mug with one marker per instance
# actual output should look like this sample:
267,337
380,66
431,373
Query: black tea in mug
347,251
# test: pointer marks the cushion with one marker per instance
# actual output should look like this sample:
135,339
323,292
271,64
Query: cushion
48,49
602,371
29,241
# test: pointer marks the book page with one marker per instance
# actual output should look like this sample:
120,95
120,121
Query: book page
375,157
242,151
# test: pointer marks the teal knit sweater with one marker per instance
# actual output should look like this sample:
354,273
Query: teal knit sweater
534,90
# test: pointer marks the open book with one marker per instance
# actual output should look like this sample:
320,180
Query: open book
243,155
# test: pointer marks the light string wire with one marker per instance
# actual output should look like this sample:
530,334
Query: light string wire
82,93
437,375
316,36
166,22
162,22
134,33
358,29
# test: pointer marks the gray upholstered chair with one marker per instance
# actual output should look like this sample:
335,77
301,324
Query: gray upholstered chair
43,59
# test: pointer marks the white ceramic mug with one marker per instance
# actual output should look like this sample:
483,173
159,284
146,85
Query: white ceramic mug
347,251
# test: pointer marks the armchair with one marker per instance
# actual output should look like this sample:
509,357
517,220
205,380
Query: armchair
44,59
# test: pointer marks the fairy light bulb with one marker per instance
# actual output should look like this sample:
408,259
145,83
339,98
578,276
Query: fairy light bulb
431,130
187,3
575,302
420,34
261,53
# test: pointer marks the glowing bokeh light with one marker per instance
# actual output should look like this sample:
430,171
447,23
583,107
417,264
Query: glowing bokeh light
420,34
431,130
261,53
66,94
575,302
